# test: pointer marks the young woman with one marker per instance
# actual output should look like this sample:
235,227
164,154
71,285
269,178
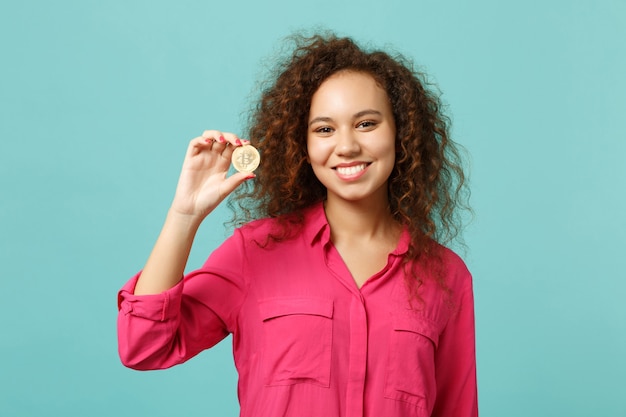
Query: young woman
337,290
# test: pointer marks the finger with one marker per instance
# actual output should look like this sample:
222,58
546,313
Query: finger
234,181
227,153
222,140
209,138
197,145
212,134
233,139
217,141
222,146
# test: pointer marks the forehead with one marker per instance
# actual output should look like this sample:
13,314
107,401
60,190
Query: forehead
349,89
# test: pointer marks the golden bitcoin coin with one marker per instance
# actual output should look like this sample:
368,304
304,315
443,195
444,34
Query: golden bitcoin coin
245,158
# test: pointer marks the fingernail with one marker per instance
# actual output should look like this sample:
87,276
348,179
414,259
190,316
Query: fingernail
238,142
208,140
222,140
249,177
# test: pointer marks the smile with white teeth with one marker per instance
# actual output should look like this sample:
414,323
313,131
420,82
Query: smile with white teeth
351,170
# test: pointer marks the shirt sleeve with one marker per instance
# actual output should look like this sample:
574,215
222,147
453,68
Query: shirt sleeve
162,330
455,360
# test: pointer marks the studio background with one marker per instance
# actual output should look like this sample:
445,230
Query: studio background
99,99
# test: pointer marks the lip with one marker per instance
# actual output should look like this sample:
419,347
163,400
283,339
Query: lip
351,171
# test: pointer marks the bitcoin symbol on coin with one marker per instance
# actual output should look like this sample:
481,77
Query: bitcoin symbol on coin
245,158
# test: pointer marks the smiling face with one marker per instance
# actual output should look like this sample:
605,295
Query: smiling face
351,138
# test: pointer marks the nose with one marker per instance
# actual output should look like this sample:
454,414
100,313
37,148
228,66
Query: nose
347,143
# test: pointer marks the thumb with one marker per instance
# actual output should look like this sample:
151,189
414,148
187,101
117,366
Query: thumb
235,181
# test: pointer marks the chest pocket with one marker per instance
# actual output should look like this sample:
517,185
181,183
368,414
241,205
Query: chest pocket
297,340
411,362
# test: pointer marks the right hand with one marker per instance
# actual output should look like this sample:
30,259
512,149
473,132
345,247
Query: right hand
203,183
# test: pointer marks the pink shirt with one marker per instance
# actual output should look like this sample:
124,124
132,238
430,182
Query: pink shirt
306,340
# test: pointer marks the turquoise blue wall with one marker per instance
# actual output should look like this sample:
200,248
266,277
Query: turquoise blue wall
98,101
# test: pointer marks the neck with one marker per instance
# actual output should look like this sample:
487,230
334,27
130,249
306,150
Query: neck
360,220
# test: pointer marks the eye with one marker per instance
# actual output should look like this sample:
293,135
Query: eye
367,124
325,130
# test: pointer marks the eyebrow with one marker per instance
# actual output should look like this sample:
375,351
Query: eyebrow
355,116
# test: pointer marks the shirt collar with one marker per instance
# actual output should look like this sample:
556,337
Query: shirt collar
316,226
317,229
403,243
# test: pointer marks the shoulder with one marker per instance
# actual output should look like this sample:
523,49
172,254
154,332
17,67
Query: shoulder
454,269
285,227
258,227
453,261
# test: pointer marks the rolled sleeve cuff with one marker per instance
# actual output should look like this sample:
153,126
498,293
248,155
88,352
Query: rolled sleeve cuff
156,307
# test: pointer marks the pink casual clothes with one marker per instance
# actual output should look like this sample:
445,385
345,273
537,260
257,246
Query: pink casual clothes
306,340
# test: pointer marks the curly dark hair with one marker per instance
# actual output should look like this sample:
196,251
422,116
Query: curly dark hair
427,185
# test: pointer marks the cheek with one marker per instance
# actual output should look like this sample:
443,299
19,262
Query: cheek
387,151
389,157
309,150
317,153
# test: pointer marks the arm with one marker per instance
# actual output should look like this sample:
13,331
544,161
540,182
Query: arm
201,187
159,325
162,330
455,360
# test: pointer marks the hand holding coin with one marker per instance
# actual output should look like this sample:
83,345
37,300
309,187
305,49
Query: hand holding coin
245,158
